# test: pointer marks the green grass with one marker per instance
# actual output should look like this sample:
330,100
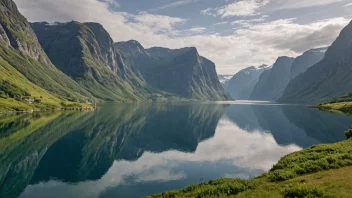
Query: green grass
296,175
338,107
15,87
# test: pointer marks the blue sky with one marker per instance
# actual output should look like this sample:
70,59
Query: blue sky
233,33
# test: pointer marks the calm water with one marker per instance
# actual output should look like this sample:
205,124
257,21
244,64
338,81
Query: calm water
139,149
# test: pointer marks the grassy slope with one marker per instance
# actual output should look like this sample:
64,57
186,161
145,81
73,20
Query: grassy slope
318,171
342,104
58,97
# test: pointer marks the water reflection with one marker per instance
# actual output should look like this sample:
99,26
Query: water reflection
138,149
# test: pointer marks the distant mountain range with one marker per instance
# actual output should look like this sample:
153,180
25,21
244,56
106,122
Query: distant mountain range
270,83
67,64
241,85
317,75
273,82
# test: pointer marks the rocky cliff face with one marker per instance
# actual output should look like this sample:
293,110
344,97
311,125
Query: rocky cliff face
86,52
242,84
180,71
273,82
306,60
331,77
16,33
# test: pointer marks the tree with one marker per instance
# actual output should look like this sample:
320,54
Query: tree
348,132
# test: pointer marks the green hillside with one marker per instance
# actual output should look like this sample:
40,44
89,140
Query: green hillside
28,79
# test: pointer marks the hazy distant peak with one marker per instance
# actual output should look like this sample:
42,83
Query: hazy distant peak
318,50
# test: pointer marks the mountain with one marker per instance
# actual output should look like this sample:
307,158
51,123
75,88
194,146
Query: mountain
306,60
241,85
25,69
331,77
273,82
86,53
223,78
180,71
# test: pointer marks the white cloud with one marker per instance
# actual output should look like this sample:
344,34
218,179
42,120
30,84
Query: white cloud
174,4
249,22
112,3
242,8
348,5
156,22
238,8
294,4
286,35
221,23
198,29
208,11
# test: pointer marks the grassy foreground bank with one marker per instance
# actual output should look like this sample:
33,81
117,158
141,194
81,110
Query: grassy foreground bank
319,171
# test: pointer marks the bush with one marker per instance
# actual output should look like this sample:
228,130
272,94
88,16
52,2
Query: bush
217,188
3,94
348,133
13,91
304,191
281,175
311,160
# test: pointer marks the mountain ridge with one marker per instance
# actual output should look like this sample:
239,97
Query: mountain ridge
273,82
242,84
86,52
328,78
180,71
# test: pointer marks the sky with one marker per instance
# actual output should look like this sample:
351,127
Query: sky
234,34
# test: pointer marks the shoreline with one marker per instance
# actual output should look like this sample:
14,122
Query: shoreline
46,110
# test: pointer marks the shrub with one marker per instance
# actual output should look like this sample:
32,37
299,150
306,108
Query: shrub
281,175
311,160
302,190
348,133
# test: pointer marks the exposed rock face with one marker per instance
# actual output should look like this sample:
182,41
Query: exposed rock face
16,33
306,60
180,71
242,84
86,52
273,82
331,77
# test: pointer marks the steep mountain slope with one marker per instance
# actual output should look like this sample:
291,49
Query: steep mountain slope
241,85
306,60
86,53
331,77
26,70
181,71
273,82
